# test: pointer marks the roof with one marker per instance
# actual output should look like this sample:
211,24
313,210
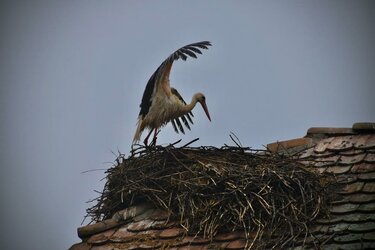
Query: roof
346,153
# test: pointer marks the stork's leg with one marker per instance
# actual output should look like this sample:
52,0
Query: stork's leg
155,137
146,139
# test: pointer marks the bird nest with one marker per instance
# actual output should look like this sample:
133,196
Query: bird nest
210,190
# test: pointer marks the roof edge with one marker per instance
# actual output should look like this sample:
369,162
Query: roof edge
329,131
117,219
299,143
368,127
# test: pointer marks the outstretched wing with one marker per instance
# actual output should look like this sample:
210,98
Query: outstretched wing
185,118
160,78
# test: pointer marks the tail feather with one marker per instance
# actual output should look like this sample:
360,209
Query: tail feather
138,132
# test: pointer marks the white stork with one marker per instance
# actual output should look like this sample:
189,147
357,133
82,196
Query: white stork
162,104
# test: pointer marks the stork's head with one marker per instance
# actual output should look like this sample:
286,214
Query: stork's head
199,97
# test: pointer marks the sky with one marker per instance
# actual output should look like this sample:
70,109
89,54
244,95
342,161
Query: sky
72,75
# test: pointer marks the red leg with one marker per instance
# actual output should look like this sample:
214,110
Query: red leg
155,136
146,139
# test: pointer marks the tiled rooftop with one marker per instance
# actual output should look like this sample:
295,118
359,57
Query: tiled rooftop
348,154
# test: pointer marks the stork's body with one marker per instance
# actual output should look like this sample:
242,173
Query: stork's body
162,104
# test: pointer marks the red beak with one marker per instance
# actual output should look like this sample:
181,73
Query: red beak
204,106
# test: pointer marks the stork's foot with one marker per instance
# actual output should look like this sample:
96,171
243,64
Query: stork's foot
146,139
156,132
153,143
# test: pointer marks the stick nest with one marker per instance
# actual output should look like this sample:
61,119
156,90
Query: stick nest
210,190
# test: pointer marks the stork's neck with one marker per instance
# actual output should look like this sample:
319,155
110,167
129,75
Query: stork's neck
189,107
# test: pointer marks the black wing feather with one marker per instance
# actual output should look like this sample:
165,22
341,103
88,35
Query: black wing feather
194,49
189,118
183,53
177,120
185,118
190,53
174,126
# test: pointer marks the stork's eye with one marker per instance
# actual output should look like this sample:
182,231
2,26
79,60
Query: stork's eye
203,98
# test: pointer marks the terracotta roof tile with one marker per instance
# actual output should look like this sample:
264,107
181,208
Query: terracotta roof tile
352,152
195,240
80,246
369,236
349,218
101,237
348,238
362,227
364,126
300,143
367,208
365,142
191,247
363,168
122,235
339,227
358,217
329,131
327,161
307,153
102,247
88,230
360,198
352,188
367,176
370,158
346,178
351,246
149,234
352,159
338,169
171,233
369,188
341,143
149,245
344,208
320,170
322,145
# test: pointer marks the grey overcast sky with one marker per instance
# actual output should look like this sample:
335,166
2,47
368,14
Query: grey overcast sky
72,75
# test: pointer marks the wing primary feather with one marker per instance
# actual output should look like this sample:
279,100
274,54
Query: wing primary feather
190,53
207,43
181,55
189,118
202,46
185,122
190,49
174,126
186,118
194,49
180,125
